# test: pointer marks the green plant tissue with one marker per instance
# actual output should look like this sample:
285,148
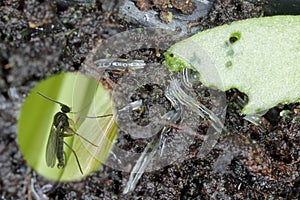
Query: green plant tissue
260,57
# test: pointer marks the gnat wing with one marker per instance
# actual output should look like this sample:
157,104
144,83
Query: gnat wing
52,144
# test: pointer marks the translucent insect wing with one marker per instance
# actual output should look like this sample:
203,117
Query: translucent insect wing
52,146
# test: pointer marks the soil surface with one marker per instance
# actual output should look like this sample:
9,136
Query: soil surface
41,38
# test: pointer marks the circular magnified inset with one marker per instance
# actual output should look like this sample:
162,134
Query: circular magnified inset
50,134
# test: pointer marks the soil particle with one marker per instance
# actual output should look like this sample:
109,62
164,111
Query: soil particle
143,4
186,7
166,16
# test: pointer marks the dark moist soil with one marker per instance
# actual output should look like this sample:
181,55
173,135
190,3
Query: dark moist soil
42,38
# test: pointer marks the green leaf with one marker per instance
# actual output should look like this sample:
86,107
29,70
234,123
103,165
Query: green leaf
260,57
36,117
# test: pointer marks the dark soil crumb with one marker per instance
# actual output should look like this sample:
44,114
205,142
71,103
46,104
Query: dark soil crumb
41,38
